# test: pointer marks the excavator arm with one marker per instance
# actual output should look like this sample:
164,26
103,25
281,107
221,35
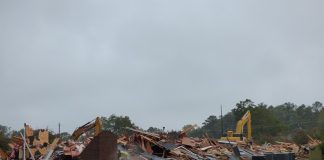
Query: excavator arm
238,134
246,119
96,124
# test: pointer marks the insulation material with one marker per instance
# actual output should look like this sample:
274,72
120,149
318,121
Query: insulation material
42,150
28,130
43,136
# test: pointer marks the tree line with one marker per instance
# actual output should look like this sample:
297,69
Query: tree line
285,122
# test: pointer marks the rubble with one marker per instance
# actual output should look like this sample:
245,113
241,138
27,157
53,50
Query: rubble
3,155
206,148
143,145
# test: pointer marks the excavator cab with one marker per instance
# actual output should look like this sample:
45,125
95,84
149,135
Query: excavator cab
231,136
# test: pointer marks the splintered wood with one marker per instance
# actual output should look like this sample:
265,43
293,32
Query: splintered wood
207,148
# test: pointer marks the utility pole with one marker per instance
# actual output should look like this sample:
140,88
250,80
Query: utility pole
59,129
222,125
24,144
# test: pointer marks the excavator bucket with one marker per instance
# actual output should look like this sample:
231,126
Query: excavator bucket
102,147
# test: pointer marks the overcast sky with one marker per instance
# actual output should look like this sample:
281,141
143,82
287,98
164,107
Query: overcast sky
161,62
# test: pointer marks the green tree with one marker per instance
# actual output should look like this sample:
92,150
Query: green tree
317,106
242,107
117,124
212,126
265,126
320,124
305,117
198,132
300,137
286,113
65,136
4,137
154,130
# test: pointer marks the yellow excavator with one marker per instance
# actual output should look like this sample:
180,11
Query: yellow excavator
96,124
238,135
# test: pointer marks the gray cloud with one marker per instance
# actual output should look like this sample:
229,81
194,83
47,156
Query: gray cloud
163,63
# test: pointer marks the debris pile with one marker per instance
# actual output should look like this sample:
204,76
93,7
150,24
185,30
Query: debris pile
38,146
158,146
143,145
